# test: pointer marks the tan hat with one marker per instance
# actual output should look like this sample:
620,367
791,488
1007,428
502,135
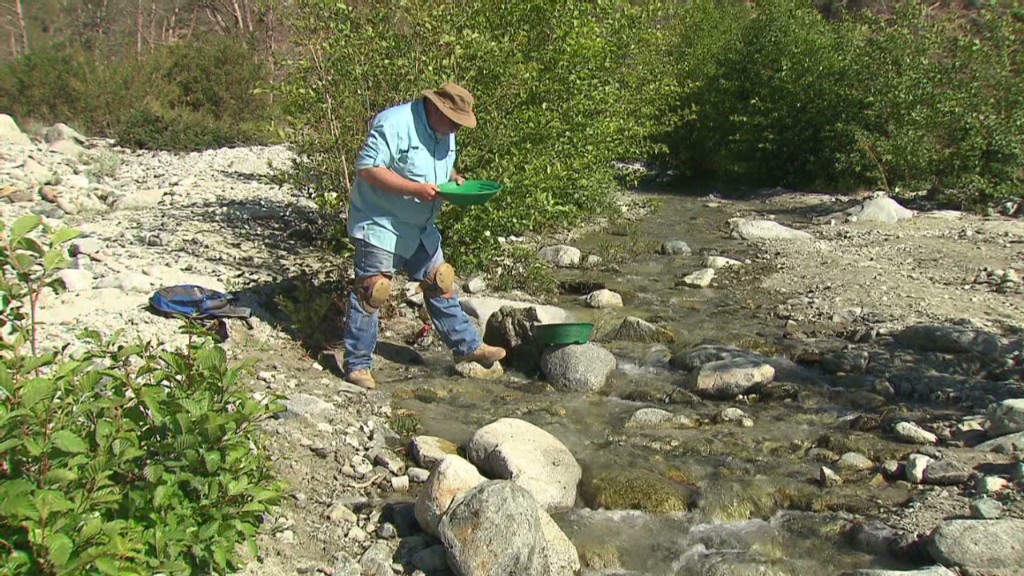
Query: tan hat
455,102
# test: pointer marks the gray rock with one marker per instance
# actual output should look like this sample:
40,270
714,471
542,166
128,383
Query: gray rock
339,513
475,285
915,467
880,209
727,379
913,434
139,200
577,367
418,475
10,133
950,339
561,256
127,282
946,473
877,538
855,461
39,173
390,461
61,131
76,280
344,565
635,329
828,478
452,478
845,362
764,230
376,561
478,372
427,451
603,298
989,485
675,248
930,571
512,328
481,308
979,544
699,279
1008,444
646,417
1006,417
986,509
717,262
561,554
516,450
299,405
69,149
494,529
431,560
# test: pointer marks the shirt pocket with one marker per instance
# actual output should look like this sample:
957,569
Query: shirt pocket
419,164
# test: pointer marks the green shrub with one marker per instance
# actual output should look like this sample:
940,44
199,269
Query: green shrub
119,459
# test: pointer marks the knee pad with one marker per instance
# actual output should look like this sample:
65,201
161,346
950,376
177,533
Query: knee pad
440,281
373,291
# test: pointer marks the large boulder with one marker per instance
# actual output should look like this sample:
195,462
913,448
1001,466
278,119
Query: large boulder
634,329
979,545
764,230
481,308
636,490
9,132
561,554
495,529
561,256
449,480
511,328
577,367
951,339
727,379
881,209
516,450
1004,418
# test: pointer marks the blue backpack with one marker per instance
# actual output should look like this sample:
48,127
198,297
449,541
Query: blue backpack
197,302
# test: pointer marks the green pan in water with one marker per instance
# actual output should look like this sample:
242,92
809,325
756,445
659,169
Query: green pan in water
570,333
470,192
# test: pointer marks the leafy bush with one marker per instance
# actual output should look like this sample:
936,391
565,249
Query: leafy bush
205,93
119,459
563,89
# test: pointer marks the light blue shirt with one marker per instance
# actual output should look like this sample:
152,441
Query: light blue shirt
400,139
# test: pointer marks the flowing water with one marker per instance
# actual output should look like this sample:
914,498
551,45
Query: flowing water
752,504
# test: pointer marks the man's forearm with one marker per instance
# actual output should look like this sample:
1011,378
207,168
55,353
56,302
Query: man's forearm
388,180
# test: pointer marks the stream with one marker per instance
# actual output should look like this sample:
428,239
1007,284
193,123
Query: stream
726,497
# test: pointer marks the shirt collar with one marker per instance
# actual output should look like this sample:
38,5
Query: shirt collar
420,113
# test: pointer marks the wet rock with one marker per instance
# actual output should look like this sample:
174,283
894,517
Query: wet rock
1009,444
452,478
635,329
655,417
603,298
946,473
478,372
950,339
828,478
845,362
717,262
700,279
930,571
1006,417
878,538
429,450
481,308
636,490
705,353
727,379
561,256
562,557
577,367
852,461
764,230
979,544
477,532
915,467
516,450
986,509
674,248
512,328
913,434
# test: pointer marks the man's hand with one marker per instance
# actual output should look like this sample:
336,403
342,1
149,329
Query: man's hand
458,178
424,191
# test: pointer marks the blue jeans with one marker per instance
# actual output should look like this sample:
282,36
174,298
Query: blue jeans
455,328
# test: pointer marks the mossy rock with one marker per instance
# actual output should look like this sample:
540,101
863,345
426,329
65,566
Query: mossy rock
637,490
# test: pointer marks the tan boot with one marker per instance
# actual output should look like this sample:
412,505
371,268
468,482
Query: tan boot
361,378
485,355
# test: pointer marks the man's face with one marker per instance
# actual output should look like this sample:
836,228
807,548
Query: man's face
440,123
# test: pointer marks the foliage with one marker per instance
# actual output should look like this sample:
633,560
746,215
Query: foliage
206,93
118,459
563,89
315,307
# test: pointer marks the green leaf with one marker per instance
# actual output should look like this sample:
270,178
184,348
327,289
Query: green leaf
59,547
108,565
60,476
55,259
36,390
9,443
64,234
23,226
213,459
69,442
153,472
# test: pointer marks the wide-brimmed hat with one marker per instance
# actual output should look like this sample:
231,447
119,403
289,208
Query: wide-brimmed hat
455,102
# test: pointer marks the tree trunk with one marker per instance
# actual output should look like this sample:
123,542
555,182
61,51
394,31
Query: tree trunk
138,29
152,25
21,26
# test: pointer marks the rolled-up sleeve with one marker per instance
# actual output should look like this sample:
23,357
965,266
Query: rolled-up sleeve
379,149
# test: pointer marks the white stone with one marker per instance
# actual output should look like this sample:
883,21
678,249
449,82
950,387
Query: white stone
764,230
717,262
481,308
914,434
603,298
561,256
9,132
76,280
700,279
452,478
915,467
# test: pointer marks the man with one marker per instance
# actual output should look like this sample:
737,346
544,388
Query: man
392,221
